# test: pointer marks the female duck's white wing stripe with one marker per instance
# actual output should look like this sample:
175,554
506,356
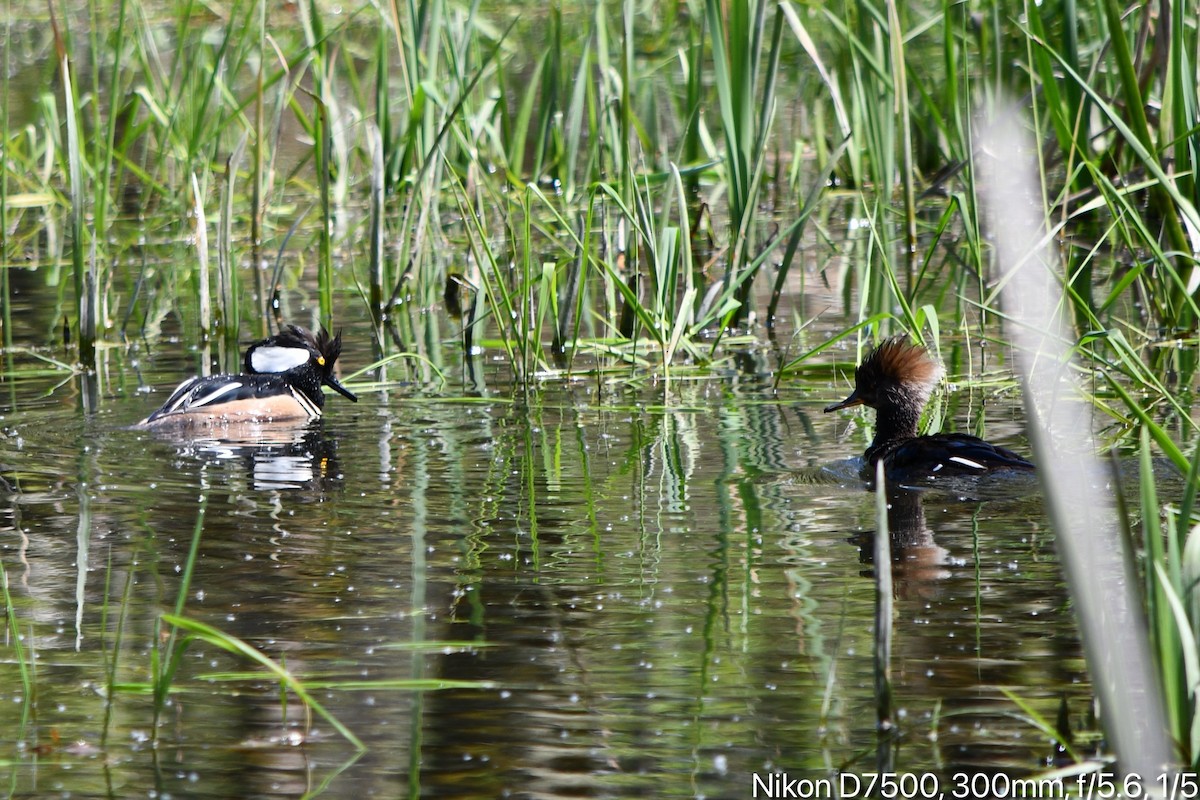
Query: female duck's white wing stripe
273,358
966,462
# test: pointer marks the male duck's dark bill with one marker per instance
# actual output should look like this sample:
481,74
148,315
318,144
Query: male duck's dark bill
332,382
849,402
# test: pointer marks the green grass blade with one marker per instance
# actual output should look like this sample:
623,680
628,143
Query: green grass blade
238,647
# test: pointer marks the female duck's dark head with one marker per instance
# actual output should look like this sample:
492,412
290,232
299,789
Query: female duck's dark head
896,379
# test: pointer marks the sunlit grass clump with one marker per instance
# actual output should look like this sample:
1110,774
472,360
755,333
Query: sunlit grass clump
617,175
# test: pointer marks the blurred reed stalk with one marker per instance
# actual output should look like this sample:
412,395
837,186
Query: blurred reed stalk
1097,565
24,661
322,132
884,620
258,172
203,290
167,653
228,283
114,646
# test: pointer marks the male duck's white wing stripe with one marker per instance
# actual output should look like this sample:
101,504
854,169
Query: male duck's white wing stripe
178,397
215,394
309,406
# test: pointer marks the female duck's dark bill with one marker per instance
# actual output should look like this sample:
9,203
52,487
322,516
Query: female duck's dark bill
852,400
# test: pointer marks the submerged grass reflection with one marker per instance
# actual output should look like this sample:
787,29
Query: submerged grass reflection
25,664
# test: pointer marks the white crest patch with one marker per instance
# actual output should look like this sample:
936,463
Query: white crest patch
273,358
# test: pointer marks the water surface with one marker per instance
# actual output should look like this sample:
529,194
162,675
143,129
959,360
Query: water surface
646,592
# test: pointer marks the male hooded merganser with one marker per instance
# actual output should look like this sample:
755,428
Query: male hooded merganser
896,379
283,379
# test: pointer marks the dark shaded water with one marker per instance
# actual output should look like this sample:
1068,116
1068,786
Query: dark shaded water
648,592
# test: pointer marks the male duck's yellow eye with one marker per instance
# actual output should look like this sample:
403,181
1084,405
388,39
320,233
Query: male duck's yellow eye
321,360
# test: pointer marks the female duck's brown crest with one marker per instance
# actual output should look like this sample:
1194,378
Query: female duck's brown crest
896,364
899,361
896,379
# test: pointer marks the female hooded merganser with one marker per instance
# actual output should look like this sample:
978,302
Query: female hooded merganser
896,379
283,379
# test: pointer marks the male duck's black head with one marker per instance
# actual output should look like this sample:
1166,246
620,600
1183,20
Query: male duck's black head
302,358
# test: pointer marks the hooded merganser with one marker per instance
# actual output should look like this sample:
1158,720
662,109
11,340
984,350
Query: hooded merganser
283,379
896,379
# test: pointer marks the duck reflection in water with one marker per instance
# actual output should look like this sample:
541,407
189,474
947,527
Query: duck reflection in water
267,417
918,561
271,456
